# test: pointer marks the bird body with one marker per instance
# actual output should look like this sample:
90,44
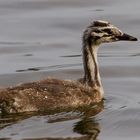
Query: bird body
52,93
49,94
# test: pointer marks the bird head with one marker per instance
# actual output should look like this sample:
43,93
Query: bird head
104,32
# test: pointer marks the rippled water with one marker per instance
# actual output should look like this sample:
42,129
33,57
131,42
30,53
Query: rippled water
40,38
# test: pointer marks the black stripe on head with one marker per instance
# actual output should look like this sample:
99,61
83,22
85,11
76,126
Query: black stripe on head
91,38
109,31
97,31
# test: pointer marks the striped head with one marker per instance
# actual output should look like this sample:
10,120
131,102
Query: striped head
103,32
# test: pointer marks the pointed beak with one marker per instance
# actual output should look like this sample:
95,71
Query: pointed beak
127,37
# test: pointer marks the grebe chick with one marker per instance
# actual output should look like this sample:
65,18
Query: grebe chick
53,94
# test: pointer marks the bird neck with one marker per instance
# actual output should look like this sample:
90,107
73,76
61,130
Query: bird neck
91,69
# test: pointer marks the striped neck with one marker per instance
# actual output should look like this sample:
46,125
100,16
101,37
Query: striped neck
91,69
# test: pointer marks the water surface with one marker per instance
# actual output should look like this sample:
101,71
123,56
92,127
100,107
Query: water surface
41,38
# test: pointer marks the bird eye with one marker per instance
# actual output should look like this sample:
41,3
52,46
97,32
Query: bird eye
109,31
97,31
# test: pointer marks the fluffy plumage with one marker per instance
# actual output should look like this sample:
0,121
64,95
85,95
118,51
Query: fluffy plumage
51,94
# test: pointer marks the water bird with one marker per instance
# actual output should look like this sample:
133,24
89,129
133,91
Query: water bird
51,94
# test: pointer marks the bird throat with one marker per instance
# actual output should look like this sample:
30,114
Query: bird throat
91,69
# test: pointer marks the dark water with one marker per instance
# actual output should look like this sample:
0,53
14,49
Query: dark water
40,38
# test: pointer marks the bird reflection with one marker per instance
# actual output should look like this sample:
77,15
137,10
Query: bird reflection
87,124
89,127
